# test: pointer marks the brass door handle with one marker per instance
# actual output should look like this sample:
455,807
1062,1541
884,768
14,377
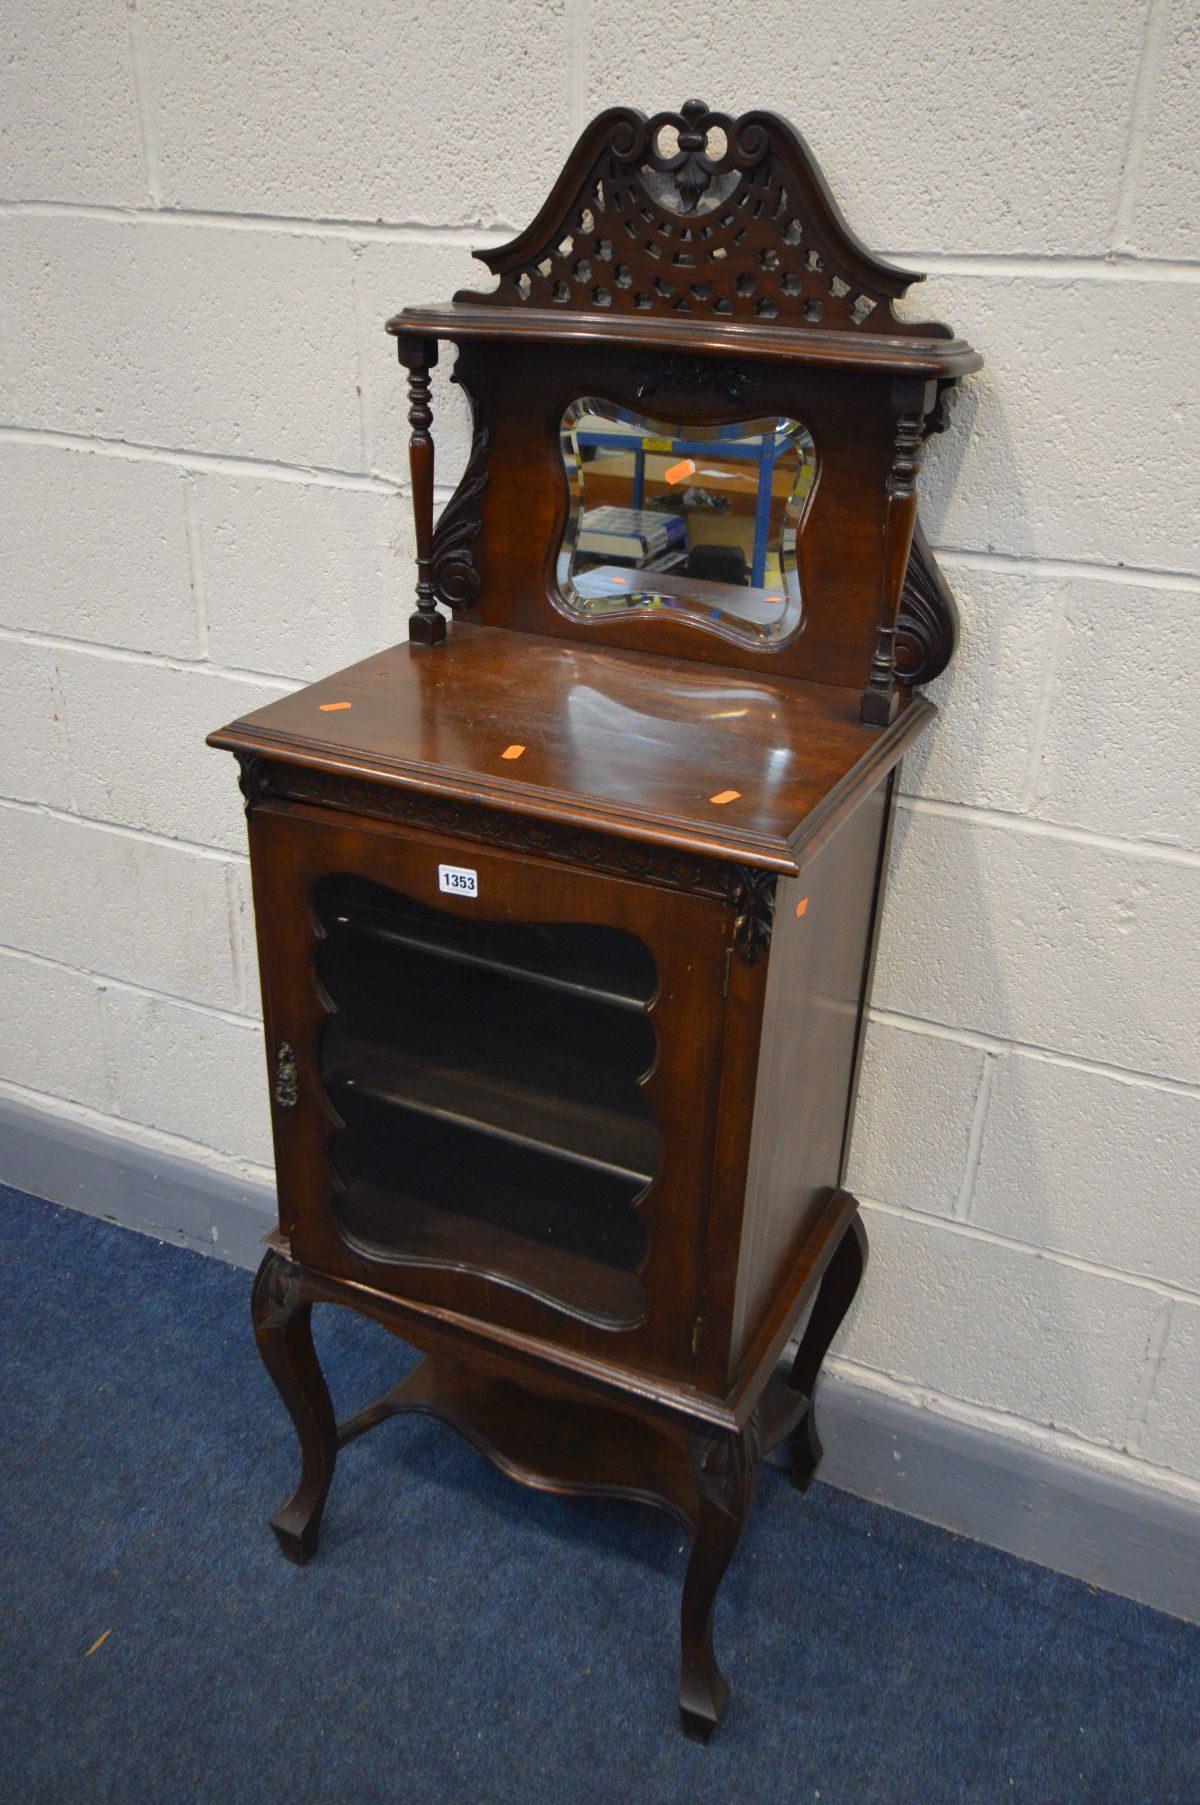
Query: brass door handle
287,1082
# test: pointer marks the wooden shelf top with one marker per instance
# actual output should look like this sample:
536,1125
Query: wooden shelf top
728,764
931,359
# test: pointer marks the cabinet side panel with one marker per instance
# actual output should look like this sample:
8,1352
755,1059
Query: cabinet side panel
817,987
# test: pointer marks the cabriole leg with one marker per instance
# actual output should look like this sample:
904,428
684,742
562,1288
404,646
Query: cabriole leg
841,1281
283,1332
727,1468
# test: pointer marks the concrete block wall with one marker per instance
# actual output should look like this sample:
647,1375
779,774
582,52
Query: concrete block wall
209,210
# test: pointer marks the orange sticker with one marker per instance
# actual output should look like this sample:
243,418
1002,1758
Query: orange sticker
512,752
334,707
802,905
725,796
679,473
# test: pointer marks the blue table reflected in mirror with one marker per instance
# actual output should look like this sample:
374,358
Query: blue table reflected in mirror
702,521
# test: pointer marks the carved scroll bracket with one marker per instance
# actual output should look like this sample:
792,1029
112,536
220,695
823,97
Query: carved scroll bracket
278,1292
253,778
927,624
753,896
912,400
456,576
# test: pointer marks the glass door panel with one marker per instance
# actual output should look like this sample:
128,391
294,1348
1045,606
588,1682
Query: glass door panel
486,1078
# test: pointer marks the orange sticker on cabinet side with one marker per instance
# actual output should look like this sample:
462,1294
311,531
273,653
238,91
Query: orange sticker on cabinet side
723,796
679,473
802,905
334,707
512,752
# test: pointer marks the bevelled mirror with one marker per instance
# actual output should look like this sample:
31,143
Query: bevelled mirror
694,520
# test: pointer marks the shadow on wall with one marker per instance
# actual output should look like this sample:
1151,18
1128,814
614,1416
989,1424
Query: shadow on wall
970,1319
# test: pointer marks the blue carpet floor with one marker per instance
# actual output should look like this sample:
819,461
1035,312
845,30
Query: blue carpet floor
459,1638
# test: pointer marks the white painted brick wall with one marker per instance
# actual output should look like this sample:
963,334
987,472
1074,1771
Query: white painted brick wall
905,1149
1139,782
1003,1327
1077,435
190,1073
36,763
66,1055
358,110
68,105
301,578
1129,1140
978,751
69,522
118,904
244,941
238,342
1082,947
134,728
1169,1433
206,214
1160,217
940,124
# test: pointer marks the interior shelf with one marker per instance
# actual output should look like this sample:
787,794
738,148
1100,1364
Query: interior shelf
510,1212
572,1129
601,963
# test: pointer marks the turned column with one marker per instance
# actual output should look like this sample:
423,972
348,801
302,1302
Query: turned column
419,355
911,401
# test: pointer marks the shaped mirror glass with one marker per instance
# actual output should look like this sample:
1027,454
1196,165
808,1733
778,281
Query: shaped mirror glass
700,522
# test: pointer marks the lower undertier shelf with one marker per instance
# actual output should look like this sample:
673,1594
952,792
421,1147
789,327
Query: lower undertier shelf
558,1443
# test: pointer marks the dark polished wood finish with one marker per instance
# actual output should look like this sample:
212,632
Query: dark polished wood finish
544,1429
419,356
852,555
567,923
931,358
842,1279
659,269
623,743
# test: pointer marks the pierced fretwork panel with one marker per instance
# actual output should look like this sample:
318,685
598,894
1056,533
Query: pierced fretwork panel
626,252
696,214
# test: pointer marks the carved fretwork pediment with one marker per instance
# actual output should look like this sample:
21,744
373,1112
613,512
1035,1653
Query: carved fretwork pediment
696,214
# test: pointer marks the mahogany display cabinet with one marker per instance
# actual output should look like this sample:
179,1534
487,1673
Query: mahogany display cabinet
567,906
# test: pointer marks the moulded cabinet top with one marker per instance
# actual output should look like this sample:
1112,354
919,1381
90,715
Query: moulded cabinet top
726,763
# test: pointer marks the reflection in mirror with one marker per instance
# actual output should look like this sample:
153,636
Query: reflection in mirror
697,521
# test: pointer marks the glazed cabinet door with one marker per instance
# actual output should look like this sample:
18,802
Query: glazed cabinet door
493,1078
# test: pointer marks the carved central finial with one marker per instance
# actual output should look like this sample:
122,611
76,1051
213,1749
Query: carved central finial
702,147
692,111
